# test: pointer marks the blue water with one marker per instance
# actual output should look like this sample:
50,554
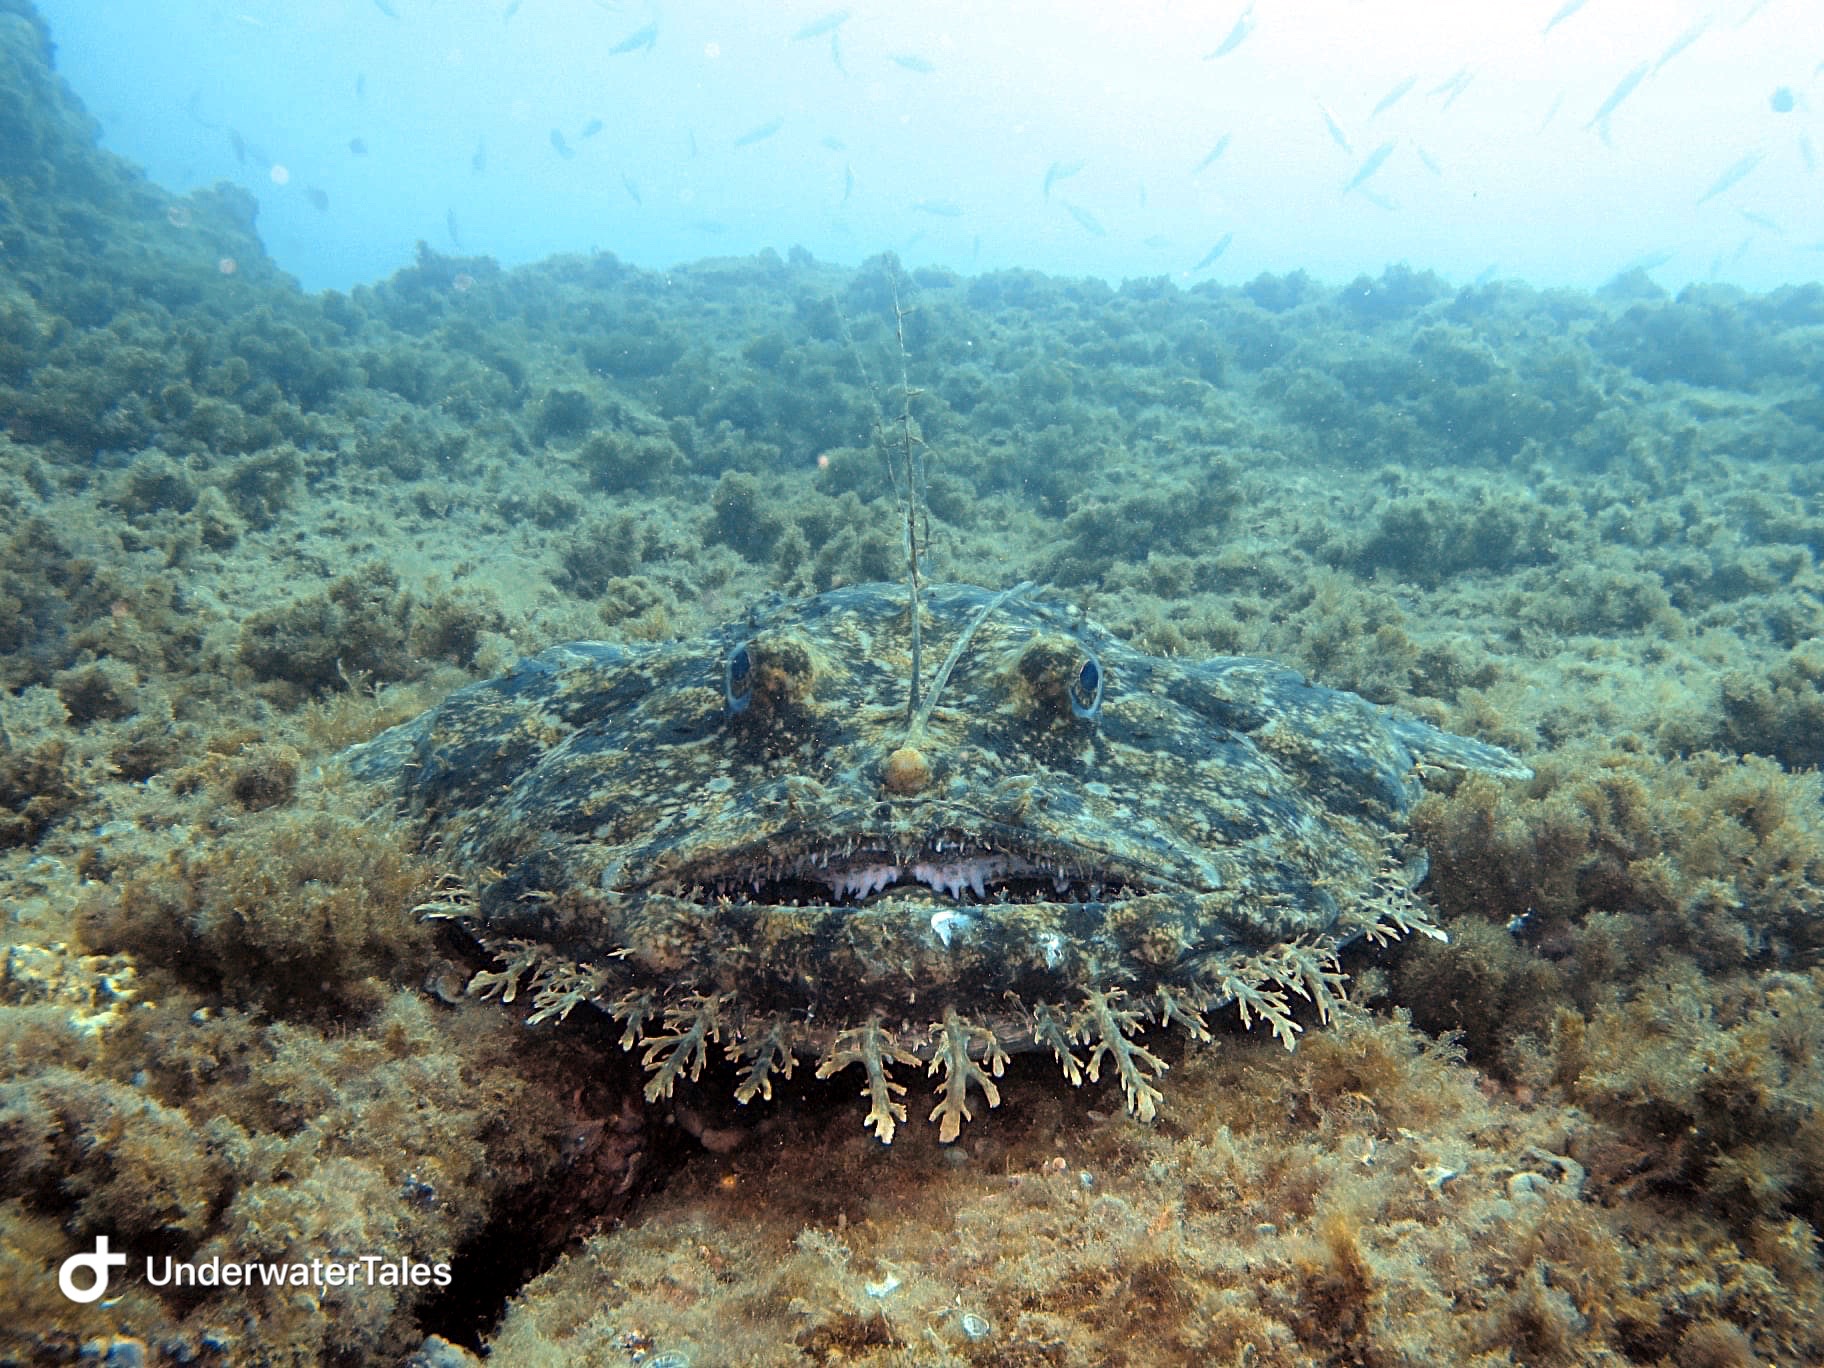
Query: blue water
365,126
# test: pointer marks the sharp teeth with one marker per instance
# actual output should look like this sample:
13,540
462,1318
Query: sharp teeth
958,868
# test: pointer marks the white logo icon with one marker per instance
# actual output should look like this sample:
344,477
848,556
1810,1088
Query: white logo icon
97,1266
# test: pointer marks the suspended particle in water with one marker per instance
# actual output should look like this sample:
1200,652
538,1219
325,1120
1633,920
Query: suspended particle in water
462,282
178,216
280,173
227,266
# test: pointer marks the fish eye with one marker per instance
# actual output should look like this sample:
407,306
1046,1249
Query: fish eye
1086,690
770,676
738,679
1055,673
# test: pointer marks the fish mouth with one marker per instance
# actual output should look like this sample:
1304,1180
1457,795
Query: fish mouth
951,870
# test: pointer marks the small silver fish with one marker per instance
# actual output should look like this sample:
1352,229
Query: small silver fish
1209,158
1085,220
942,208
1683,41
193,107
848,183
760,133
1374,161
1645,263
1237,36
1430,162
829,23
1552,113
386,9
835,144
358,146
1623,88
1393,97
1214,254
1451,84
1737,172
319,199
591,128
1565,11
560,146
631,187
479,162
1060,170
639,39
449,223
1337,136
911,61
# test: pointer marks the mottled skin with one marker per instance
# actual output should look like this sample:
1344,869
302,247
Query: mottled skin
611,807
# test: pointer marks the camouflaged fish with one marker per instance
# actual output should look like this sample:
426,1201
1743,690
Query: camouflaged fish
762,842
